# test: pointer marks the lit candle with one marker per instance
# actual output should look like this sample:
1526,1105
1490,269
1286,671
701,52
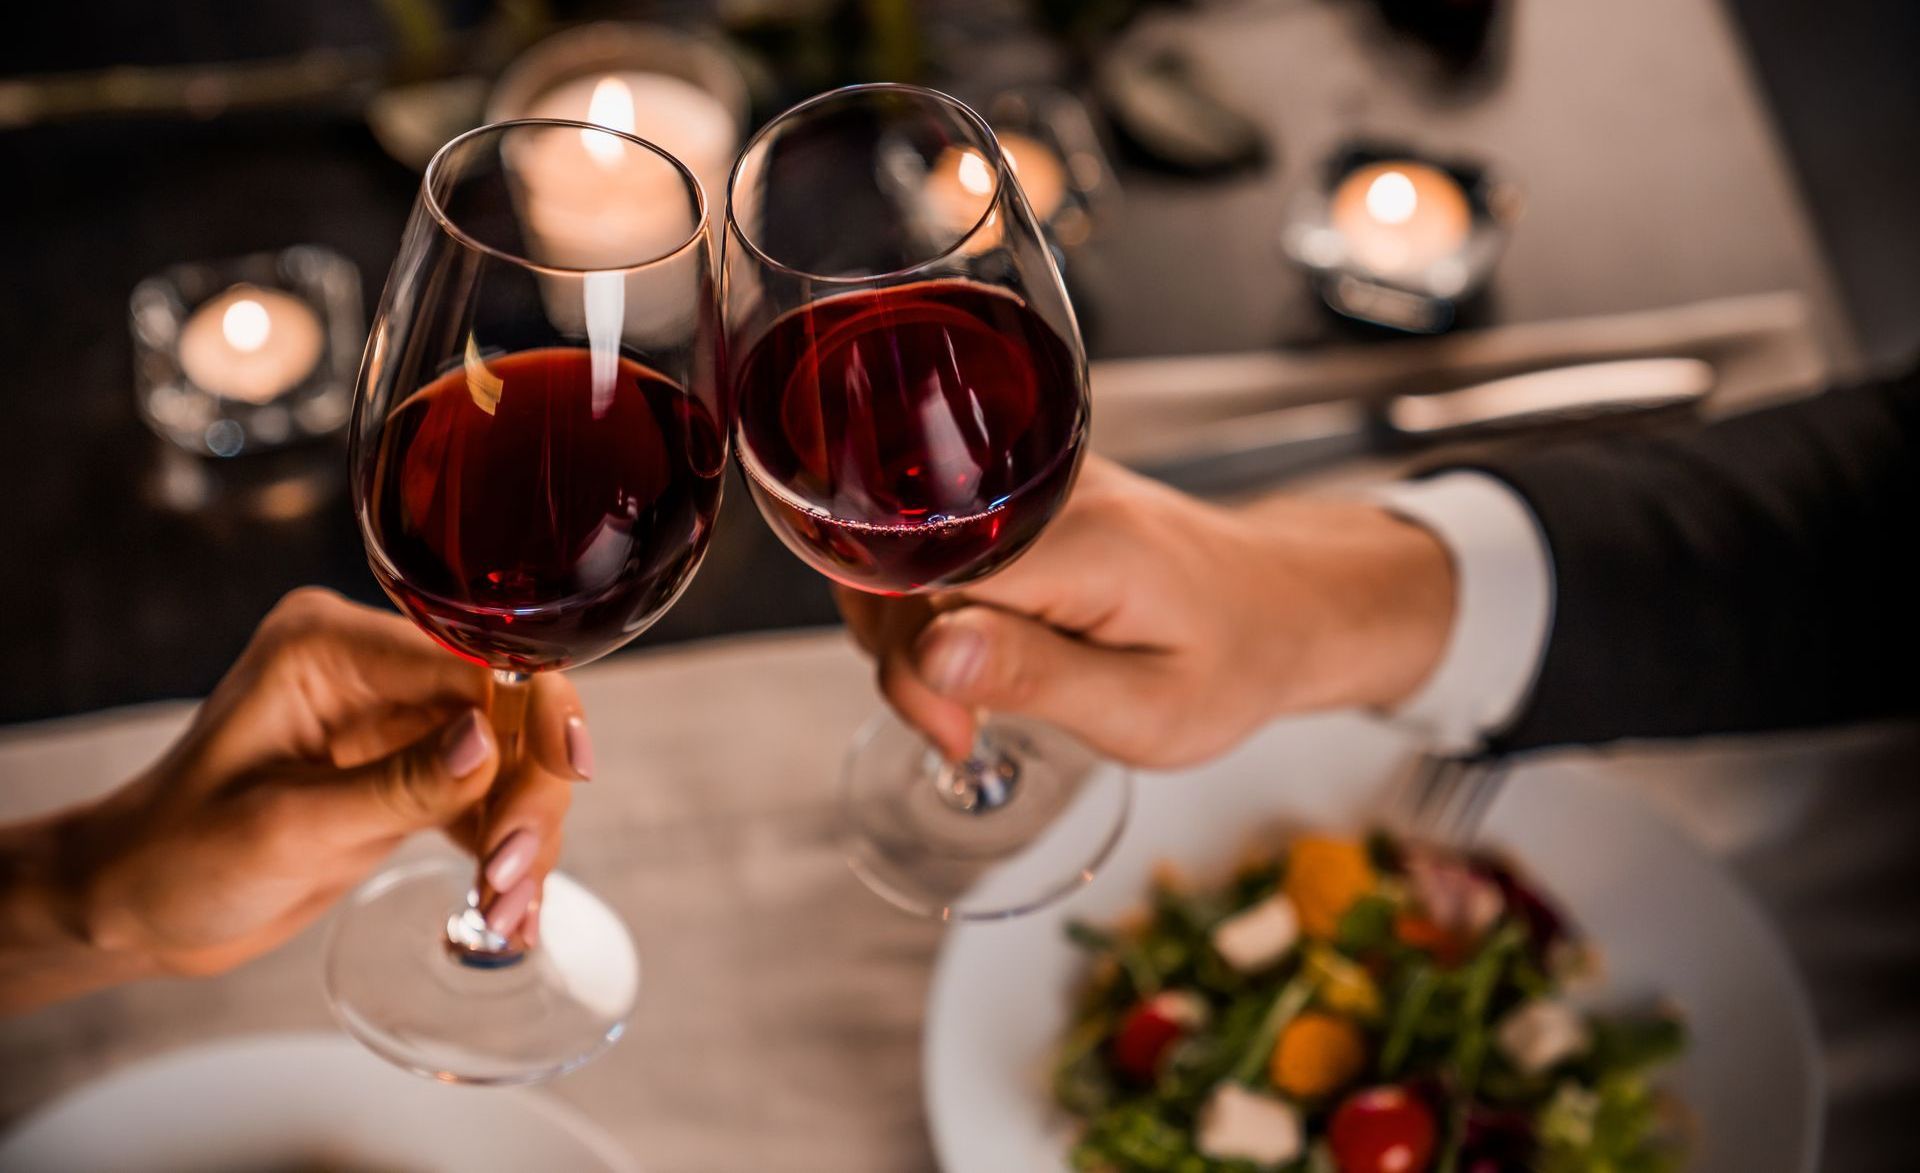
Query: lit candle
960,183
1398,218
593,200
250,344
1039,171
958,189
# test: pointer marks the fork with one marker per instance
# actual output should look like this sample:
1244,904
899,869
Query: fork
1447,796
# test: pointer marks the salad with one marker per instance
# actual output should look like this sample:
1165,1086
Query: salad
1357,1006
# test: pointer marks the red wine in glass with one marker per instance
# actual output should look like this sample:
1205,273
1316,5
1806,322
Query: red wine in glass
911,437
535,510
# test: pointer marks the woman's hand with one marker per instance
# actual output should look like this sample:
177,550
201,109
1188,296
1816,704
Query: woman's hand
1162,630
339,732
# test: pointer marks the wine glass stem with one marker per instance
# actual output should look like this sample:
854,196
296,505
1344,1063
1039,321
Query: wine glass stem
469,939
985,780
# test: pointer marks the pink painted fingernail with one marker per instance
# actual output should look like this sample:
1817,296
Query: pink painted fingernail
954,660
530,924
510,861
510,908
466,745
579,747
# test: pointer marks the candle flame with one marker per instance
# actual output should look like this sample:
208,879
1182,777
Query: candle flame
612,107
973,173
246,325
1391,198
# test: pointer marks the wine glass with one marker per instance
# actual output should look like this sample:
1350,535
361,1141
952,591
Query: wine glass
539,445
911,400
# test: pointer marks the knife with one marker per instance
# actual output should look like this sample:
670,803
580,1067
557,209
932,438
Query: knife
1270,446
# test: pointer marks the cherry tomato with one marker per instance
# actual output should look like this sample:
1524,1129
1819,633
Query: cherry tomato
1382,1130
1150,1029
1447,948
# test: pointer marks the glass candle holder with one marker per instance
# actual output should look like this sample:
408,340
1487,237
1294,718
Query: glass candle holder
679,92
1058,158
1398,238
249,354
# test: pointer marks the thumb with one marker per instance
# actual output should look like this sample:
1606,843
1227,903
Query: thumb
982,657
426,784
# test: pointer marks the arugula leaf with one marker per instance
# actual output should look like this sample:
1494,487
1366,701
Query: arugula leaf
1478,981
1131,955
1191,915
1416,994
1287,1004
1366,927
1624,1044
1616,1126
1253,884
1202,1061
1092,938
1133,1136
1082,1082
1383,851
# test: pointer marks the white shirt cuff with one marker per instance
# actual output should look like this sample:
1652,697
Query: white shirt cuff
1503,574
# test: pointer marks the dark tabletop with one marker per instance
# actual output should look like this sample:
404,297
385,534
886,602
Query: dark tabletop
1667,190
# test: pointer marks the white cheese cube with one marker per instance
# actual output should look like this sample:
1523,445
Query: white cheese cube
1537,1035
1257,937
1180,1006
1238,1124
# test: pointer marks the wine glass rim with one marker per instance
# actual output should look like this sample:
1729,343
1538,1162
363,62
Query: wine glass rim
966,113
446,221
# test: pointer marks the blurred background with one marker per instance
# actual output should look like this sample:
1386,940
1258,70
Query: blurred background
1627,157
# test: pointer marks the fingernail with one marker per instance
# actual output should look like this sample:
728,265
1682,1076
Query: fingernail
510,908
530,924
579,747
466,745
954,660
511,859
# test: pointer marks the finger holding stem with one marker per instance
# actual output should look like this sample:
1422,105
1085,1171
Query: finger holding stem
519,836
486,932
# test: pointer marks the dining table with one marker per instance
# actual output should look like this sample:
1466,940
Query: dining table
781,1002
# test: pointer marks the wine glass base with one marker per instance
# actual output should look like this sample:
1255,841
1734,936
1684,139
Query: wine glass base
395,984
922,851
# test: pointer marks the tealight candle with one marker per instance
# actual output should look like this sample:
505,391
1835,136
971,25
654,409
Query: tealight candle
569,177
1042,176
961,180
1399,217
250,344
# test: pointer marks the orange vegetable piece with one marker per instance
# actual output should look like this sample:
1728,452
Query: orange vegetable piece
1317,1055
1325,876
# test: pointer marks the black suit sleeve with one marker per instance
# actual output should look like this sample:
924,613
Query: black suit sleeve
1755,574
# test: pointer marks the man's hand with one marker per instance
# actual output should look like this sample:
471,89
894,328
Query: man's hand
1162,630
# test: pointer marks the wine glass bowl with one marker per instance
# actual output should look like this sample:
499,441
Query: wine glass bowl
911,403
538,448
538,454
529,527
932,488
909,378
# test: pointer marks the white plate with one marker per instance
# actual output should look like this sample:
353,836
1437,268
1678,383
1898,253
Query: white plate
1668,918
279,1103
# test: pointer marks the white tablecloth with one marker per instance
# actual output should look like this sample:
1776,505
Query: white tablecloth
779,1020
